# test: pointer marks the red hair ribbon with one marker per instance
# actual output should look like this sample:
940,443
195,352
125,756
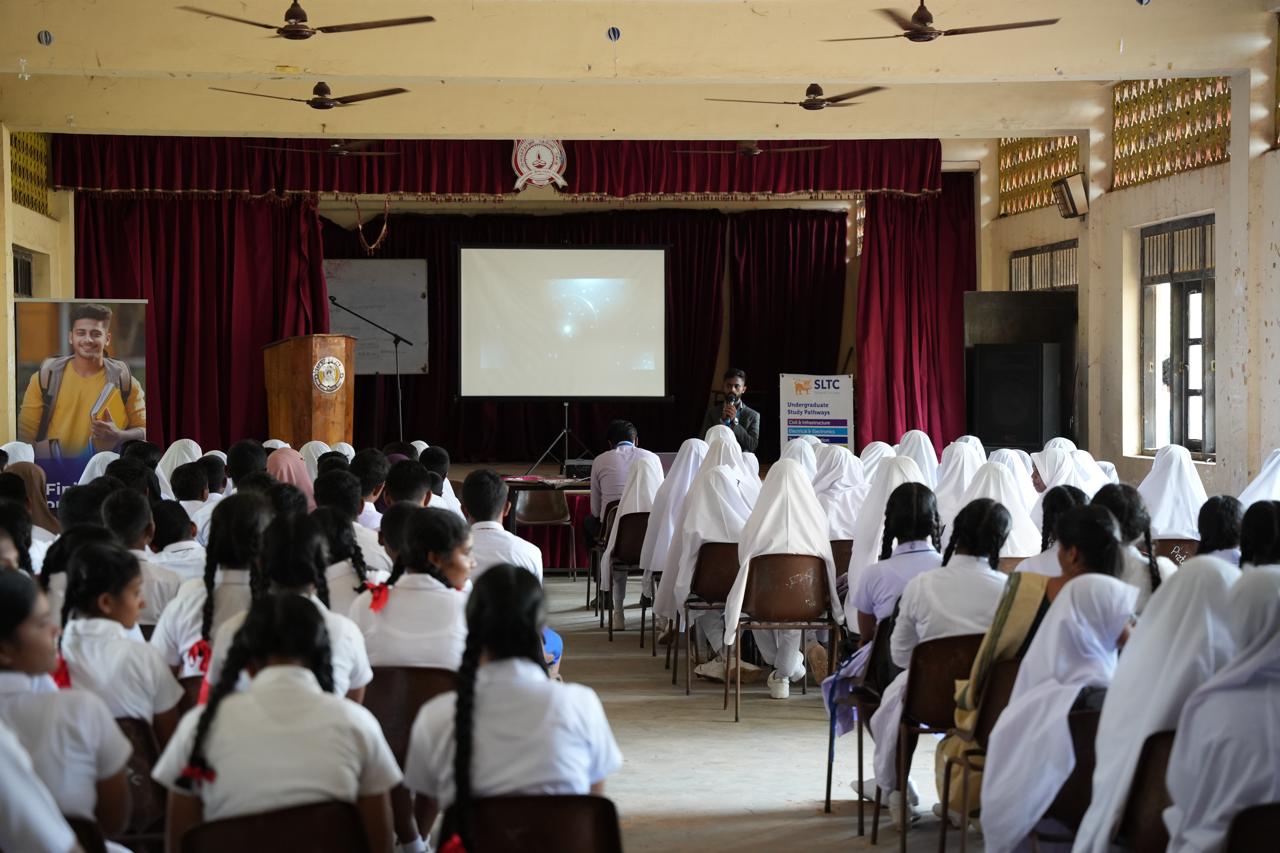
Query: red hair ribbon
379,593
203,697
200,653
61,675
453,845
198,774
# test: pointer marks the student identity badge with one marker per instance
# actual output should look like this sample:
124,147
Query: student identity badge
328,374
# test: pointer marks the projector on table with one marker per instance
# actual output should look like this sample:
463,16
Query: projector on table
578,468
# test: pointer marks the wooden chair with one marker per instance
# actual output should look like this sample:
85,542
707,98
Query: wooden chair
1178,550
1072,801
785,592
595,552
548,824
928,702
626,554
1254,829
995,696
147,798
319,828
841,552
713,577
548,508
88,835
1142,826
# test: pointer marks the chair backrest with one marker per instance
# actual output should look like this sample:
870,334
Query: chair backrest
395,695
548,824
88,835
609,517
936,666
1073,798
146,796
541,506
630,538
995,697
1142,828
841,551
1254,829
1178,550
715,571
787,588
318,828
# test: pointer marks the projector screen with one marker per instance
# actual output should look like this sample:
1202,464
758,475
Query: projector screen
562,323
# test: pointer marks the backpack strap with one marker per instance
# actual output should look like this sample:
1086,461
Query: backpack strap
118,374
50,382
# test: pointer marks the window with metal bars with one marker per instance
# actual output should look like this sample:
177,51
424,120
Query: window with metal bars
1178,366
23,271
1051,267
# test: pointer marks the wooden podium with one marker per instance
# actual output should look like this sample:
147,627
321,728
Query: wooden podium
311,386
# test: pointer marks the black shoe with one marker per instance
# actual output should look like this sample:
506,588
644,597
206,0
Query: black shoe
646,602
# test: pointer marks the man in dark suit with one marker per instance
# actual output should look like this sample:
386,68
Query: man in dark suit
733,413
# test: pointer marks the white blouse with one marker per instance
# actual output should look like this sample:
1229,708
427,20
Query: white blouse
179,626
423,623
131,677
29,818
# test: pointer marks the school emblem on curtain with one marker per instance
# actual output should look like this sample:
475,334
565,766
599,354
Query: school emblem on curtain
539,162
328,374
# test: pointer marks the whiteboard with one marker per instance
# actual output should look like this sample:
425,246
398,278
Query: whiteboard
391,293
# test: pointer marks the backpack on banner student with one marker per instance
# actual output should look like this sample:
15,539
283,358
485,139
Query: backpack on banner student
51,370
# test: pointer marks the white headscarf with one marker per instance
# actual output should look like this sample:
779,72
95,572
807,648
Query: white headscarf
1109,468
1188,614
661,532
721,452
919,447
960,461
1026,460
976,442
994,481
181,452
719,432
217,453
1173,494
1057,468
1021,476
1030,754
871,456
1060,444
274,444
97,465
840,488
787,519
802,452
1090,472
643,479
868,530
714,511
811,440
345,449
753,463
1265,486
19,451
311,453
418,445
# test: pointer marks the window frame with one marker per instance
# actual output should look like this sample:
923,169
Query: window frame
1068,267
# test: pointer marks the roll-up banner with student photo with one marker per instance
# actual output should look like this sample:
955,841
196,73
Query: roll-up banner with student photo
80,380
821,406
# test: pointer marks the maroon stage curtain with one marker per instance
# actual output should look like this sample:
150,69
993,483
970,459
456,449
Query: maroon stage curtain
918,259
224,278
487,431
786,302
612,168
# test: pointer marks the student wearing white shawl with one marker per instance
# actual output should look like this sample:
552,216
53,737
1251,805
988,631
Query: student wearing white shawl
1053,467
752,463
1030,754
1090,472
868,528
1021,476
181,452
871,456
917,445
1265,486
418,445
731,454
787,519
1109,468
661,532
1059,444
1180,642
19,451
840,488
311,453
97,466
811,440
1173,494
993,481
1224,753
274,444
960,462
975,442
643,479
803,452
350,452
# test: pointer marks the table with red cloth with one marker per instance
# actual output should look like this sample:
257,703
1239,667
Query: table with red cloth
554,541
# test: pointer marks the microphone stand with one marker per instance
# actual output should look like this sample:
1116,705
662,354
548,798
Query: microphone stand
396,341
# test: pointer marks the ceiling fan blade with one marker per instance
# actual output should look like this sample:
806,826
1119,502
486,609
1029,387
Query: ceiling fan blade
258,95
849,96
743,101
796,148
995,28
375,25
210,13
368,96
829,106
869,38
901,21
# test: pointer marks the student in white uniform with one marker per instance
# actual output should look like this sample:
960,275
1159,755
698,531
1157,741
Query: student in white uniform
1173,494
1145,571
346,576
643,480
182,452
661,535
410,482
370,467
174,544
78,751
485,499
869,526
1021,476
1057,501
214,464
841,488
1092,475
975,442
284,742
105,599
1260,536
417,617
803,452
436,459
994,482
509,729
1224,754
53,580
960,463
97,466
1182,640
916,444
190,484
1265,486
1053,467
29,818
127,514
15,537
1219,525
871,456
341,490
1068,666
1059,443
957,598
311,453
185,630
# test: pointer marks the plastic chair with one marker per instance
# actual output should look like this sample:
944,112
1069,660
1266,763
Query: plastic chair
841,551
1178,550
147,798
548,508
1253,829
626,555
595,552
1073,798
548,824
1142,826
995,697
88,835
785,592
928,702
713,577
319,828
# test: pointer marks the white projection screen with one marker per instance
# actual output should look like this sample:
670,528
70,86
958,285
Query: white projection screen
562,323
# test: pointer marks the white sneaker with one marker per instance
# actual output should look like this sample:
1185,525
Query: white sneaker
779,688
867,791
619,621
953,818
897,806
712,669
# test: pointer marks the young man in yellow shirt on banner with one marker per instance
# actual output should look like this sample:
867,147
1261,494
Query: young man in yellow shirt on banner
85,402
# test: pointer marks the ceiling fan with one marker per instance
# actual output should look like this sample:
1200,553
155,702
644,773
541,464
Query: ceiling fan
919,27
354,148
813,98
322,96
296,27
751,148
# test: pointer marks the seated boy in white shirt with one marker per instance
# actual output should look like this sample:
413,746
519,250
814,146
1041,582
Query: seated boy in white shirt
436,460
408,482
370,466
127,514
174,544
190,486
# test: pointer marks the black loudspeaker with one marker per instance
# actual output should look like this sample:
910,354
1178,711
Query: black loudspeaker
1015,394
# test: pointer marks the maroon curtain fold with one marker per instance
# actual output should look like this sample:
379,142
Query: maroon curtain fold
612,168
224,277
918,260
786,302
489,431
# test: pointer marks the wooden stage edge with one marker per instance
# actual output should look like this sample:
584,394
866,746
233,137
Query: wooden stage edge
459,470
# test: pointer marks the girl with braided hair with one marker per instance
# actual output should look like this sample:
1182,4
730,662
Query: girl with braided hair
1056,502
509,729
1219,524
57,562
1142,568
346,574
1260,535
283,742
294,555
